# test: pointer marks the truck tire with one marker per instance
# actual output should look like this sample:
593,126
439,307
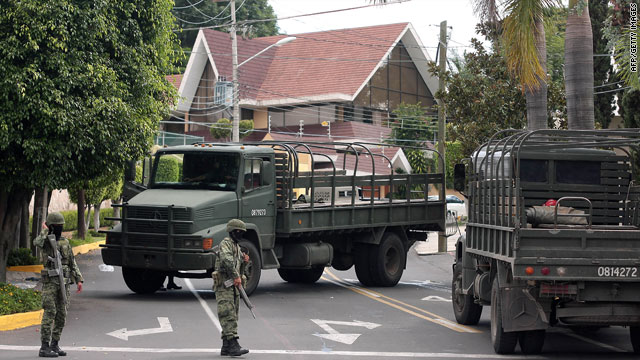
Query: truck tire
301,276
363,264
143,281
253,269
388,260
532,341
465,309
503,342
634,333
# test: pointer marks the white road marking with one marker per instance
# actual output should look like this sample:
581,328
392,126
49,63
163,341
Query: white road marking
123,334
415,355
435,298
205,306
334,335
594,342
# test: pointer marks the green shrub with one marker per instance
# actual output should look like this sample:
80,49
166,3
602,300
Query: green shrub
70,220
14,300
168,169
104,213
21,257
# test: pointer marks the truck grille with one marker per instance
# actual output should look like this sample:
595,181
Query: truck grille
160,224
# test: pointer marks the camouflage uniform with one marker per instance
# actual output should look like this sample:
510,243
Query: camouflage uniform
228,264
55,311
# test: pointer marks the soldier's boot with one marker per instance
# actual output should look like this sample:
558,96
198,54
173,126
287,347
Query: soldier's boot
235,349
56,348
45,351
224,350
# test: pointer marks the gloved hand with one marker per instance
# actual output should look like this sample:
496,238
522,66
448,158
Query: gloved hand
79,287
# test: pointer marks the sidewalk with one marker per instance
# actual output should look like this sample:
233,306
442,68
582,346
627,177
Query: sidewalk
430,247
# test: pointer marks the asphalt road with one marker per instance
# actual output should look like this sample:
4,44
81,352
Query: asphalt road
335,318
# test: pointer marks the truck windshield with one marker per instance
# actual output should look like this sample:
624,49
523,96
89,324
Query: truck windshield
196,170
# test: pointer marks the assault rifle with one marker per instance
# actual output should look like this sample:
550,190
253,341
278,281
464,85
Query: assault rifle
57,262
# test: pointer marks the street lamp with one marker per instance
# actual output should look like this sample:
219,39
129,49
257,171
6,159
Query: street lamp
235,129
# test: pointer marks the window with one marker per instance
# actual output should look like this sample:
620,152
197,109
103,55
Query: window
578,172
252,176
196,170
534,170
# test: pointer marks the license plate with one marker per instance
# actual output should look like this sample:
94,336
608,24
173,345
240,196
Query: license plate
618,271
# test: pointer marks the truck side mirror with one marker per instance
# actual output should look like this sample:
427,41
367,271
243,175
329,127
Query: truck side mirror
266,169
130,171
459,177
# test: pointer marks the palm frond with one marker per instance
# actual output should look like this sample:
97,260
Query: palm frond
519,34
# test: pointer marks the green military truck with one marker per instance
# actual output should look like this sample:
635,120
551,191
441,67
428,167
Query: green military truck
575,263
306,206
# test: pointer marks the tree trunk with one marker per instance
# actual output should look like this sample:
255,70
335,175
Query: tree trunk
116,210
87,219
10,210
96,217
40,205
578,68
24,224
537,98
81,226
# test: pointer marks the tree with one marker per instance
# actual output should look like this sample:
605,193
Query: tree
411,132
482,98
525,49
619,33
222,128
578,66
193,14
602,68
83,90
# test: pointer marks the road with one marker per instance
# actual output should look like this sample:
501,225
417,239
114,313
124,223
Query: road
335,318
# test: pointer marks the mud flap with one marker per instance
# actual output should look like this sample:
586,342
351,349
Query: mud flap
521,311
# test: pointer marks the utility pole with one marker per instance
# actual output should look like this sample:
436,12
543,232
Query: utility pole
235,123
442,62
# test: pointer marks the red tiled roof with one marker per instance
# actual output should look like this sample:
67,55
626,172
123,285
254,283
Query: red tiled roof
175,80
308,66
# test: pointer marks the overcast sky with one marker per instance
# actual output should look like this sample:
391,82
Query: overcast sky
425,15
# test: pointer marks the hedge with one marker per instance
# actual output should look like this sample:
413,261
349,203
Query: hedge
168,169
21,257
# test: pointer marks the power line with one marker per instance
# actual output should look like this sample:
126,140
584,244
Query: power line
614,90
246,22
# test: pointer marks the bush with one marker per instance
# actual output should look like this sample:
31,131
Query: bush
15,300
21,257
70,220
104,213
168,169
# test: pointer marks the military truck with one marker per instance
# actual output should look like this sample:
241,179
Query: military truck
575,263
306,206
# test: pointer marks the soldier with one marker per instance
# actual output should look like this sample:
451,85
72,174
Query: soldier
227,278
55,308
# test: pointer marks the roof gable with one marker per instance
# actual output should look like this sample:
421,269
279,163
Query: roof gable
321,66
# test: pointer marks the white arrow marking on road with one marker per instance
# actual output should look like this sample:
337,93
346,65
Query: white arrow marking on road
334,335
435,298
123,334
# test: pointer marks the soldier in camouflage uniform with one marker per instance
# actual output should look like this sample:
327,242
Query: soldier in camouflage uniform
55,310
228,276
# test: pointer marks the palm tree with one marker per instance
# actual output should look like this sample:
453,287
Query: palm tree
525,48
578,66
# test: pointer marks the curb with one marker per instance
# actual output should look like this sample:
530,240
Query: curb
22,320
26,268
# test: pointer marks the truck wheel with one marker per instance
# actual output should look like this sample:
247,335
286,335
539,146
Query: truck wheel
143,281
302,276
467,312
253,269
634,332
503,342
363,264
388,260
532,341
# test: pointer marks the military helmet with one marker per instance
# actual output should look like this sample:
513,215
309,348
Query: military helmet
235,224
55,218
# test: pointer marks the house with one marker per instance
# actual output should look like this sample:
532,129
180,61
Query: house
358,74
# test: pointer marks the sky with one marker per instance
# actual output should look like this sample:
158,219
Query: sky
424,15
